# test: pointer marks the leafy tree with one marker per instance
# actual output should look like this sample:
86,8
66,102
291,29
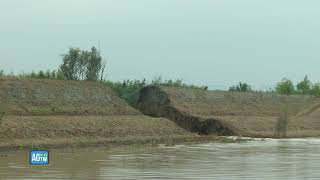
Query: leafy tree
48,74
93,64
81,65
41,75
53,74
69,67
315,90
1,72
304,86
60,75
285,87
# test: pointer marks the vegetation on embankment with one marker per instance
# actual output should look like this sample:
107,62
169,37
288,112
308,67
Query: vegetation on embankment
89,65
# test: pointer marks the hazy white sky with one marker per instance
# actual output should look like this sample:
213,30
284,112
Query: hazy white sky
211,42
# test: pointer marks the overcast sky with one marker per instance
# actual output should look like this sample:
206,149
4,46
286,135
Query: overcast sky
210,42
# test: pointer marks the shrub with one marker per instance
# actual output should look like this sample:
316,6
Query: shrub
127,90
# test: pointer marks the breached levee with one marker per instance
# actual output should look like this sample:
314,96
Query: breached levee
251,114
154,101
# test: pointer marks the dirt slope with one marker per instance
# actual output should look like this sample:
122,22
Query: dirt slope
52,97
231,113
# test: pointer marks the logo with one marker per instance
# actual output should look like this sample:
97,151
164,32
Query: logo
39,157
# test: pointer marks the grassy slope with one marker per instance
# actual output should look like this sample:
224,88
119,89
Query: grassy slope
54,97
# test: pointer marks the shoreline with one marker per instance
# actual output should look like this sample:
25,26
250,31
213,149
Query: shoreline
101,142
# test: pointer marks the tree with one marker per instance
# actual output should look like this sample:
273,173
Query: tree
69,67
81,64
103,68
285,87
241,87
304,86
60,75
93,65
315,90
41,75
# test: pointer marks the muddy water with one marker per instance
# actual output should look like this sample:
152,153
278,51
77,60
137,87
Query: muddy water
268,159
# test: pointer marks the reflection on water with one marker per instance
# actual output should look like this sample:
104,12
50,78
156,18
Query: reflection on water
268,159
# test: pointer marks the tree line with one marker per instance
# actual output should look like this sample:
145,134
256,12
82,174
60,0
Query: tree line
89,65
285,87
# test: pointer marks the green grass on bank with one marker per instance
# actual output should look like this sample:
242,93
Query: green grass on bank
129,89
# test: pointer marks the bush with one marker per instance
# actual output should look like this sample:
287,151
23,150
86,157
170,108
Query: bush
285,87
127,90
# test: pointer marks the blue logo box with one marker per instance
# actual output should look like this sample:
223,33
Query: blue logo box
39,157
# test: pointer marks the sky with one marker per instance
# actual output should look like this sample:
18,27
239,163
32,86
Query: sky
205,42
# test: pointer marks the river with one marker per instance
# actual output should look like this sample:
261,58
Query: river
259,159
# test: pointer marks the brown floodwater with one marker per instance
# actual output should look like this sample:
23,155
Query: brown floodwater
260,159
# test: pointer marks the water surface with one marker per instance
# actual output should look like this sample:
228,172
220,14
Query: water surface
261,159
